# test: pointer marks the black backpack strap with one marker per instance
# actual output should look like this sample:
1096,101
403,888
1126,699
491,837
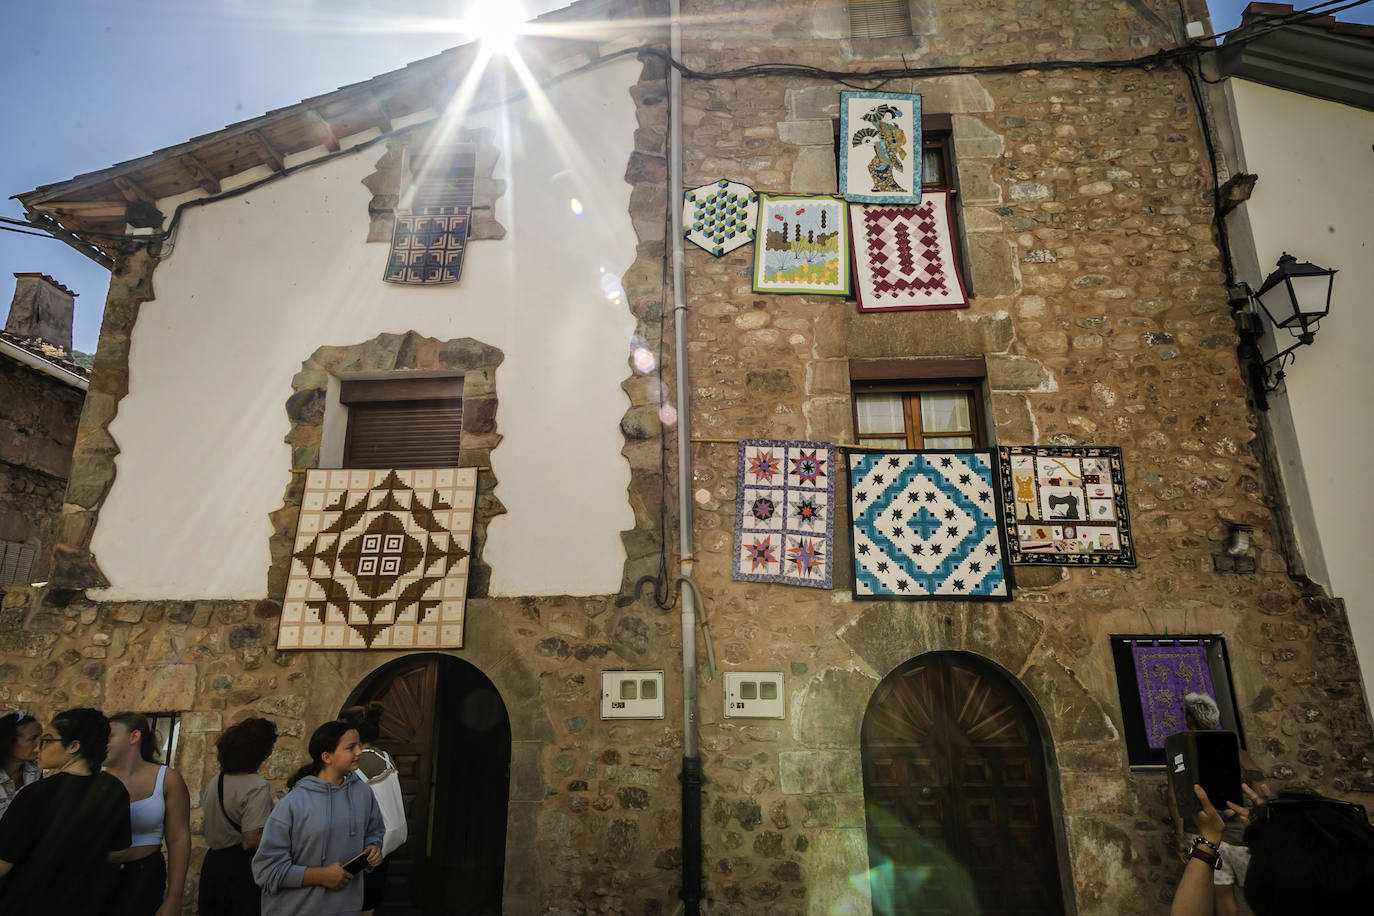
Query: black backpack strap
232,823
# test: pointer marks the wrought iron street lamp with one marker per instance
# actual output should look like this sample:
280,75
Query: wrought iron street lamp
1296,297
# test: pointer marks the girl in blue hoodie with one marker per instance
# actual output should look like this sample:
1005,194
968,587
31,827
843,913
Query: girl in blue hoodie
328,817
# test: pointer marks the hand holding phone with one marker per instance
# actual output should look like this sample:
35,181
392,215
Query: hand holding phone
357,863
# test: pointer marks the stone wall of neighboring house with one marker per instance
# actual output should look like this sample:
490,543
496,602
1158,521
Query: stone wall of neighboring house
38,417
1101,311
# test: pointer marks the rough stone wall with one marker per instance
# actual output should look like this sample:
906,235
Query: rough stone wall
1100,309
1099,305
593,824
38,417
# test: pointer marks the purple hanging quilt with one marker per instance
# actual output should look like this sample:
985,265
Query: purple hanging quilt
1164,673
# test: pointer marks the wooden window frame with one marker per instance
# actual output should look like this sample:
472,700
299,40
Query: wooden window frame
914,377
363,396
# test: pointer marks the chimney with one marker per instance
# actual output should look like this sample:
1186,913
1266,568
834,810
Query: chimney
42,307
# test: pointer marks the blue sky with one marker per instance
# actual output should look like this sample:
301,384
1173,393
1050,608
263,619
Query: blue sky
88,83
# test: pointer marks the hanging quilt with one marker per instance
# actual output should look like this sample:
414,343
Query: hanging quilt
904,256
1066,506
1164,674
380,560
427,245
802,246
784,493
880,147
926,525
720,217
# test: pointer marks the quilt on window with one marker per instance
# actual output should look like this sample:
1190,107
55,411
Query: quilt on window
904,256
1165,673
926,525
428,244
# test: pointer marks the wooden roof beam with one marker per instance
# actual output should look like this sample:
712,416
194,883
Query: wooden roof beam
269,153
199,173
133,191
324,129
379,115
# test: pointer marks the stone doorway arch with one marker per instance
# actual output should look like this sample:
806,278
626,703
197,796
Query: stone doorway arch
447,728
957,800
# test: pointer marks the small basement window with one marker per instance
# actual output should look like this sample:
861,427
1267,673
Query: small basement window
16,562
403,423
879,18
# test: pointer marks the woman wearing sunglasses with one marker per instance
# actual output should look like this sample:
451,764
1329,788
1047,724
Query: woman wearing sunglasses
19,734
57,837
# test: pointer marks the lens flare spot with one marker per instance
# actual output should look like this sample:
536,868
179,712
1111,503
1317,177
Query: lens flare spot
575,206
610,286
644,359
667,414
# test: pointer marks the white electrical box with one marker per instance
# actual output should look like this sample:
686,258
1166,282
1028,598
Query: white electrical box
754,695
632,694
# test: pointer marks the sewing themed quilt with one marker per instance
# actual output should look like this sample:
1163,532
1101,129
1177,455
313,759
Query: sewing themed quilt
785,490
926,524
1066,506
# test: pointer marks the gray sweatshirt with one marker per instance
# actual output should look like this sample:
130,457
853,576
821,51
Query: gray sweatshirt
317,823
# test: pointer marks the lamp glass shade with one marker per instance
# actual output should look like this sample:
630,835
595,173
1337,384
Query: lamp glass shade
1296,294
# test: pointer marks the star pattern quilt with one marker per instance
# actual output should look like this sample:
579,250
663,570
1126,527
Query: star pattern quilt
720,217
784,531
926,525
380,560
904,256
1066,506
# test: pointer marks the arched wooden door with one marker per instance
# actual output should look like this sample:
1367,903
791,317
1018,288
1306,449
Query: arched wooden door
956,801
445,725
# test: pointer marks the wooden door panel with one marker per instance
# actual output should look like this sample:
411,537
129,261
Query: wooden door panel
407,699
955,794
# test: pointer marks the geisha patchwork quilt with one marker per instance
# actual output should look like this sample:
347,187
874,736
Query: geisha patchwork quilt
380,560
784,531
1066,506
926,525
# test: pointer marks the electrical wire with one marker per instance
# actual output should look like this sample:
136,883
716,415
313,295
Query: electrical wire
38,235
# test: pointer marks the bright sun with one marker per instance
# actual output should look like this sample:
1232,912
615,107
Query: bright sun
497,23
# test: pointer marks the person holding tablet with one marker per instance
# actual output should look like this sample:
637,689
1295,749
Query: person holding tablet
329,818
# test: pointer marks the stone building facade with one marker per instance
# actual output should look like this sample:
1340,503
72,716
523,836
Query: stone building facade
41,392
1100,313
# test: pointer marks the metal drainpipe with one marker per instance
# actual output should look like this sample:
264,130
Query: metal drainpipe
691,760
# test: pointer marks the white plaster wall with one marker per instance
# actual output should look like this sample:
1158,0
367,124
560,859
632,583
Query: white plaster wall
257,283
1315,200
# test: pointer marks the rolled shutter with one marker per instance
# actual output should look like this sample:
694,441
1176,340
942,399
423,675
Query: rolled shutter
879,18
404,434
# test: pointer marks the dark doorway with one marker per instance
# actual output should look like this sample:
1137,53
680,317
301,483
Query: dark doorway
445,725
955,795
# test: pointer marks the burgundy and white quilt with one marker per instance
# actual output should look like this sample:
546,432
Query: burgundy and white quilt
904,256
